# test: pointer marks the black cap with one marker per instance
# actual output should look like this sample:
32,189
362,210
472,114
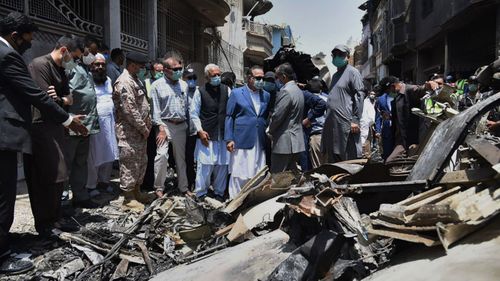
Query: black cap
189,73
137,57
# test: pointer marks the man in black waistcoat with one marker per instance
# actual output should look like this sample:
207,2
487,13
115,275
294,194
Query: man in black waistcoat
208,113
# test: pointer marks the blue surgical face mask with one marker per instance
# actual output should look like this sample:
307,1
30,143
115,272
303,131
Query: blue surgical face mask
191,83
472,87
215,81
339,61
177,74
269,86
258,84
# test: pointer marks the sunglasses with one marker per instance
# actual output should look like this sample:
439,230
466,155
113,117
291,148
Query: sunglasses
258,77
176,68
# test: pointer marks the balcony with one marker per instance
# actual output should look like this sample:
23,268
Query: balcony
213,12
259,42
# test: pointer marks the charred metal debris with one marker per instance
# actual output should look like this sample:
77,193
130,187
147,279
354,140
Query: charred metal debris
340,221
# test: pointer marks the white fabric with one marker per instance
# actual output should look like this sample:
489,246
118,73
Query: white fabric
235,185
98,174
203,176
103,145
215,154
367,119
255,100
246,163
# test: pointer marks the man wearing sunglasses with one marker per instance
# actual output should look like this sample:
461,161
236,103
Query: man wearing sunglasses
170,105
245,130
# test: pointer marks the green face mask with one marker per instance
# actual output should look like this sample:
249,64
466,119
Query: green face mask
158,75
141,74
339,61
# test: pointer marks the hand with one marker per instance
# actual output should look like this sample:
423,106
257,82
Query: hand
306,123
145,134
51,91
204,137
77,126
354,128
230,146
492,125
431,85
161,137
68,100
386,115
378,135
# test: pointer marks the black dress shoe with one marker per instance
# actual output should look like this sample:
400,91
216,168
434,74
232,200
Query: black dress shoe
86,204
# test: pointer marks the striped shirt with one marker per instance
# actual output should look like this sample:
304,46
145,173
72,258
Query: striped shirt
170,101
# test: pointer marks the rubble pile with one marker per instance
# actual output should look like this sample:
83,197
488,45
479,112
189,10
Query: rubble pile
341,221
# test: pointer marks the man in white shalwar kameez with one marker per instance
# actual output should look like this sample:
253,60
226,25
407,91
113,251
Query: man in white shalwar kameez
208,113
246,122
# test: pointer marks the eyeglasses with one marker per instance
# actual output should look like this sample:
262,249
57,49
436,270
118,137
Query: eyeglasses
258,77
176,68
215,75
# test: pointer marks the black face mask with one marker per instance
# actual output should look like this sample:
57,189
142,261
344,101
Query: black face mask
23,46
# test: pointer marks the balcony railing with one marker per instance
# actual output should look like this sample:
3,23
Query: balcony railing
258,29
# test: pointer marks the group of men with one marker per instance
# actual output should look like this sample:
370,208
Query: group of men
73,112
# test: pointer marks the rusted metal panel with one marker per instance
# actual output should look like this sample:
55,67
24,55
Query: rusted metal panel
447,137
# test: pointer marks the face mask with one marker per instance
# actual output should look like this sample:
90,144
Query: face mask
339,61
393,94
88,59
258,84
191,83
141,74
215,81
279,84
472,88
176,75
68,65
23,46
158,75
269,86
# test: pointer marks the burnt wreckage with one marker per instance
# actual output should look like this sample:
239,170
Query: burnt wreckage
341,221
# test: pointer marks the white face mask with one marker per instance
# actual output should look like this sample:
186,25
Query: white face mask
68,65
88,59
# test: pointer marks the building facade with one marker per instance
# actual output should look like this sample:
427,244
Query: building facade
414,39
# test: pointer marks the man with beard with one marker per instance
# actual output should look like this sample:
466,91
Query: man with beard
18,92
76,149
103,148
46,169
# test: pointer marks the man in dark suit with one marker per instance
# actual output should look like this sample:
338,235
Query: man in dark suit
245,130
285,127
17,93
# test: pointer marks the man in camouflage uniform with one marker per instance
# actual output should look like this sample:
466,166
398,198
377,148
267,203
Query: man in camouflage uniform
133,124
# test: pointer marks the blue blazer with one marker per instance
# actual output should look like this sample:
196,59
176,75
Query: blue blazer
384,127
244,125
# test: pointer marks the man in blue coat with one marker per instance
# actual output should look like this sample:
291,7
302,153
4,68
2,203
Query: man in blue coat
246,122
383,117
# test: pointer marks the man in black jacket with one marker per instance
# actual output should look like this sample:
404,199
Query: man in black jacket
17,93
406,124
